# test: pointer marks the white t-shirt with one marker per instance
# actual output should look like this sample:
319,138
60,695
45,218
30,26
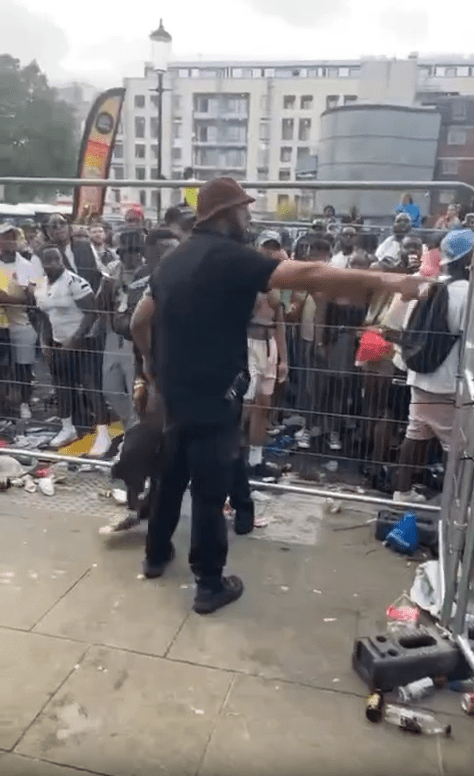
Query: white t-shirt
58,301
443,380
390,248
15,276
340,260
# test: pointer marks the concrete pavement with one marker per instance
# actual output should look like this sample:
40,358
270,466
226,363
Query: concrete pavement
108,673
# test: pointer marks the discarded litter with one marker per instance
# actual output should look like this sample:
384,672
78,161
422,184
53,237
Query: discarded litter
375,706
46,486
318,592
284,588
332,506
415,691
467,703
415,721
462,685
330,619
402,614
404,535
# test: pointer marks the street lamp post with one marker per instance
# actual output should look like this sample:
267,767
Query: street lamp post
160,54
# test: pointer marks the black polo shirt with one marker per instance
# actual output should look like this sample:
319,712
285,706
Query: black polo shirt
205,291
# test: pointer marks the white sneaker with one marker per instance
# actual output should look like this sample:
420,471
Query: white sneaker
25,412
334,441
409,496
65,437
303,439
101,444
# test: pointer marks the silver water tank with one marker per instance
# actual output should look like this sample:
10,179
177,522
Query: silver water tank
369,142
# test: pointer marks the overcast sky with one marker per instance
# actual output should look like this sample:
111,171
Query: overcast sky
100,41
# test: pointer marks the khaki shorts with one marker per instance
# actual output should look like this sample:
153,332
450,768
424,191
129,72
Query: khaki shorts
431,415
263,360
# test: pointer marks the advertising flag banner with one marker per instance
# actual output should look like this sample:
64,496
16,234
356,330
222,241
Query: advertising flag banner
96,151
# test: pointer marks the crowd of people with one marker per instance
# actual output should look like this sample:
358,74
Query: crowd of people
69,292
323,365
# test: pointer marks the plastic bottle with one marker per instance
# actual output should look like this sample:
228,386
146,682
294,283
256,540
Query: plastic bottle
415,721
462,685
416,690
402,614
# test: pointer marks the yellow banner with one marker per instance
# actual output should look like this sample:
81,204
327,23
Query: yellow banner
96,152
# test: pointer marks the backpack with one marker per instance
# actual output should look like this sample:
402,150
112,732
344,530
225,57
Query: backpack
427,340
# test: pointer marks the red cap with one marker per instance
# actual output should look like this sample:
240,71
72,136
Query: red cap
135,210
372,347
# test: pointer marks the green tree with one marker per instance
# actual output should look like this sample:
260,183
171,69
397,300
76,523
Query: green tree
37,131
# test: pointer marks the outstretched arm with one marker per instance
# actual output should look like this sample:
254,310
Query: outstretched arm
353,283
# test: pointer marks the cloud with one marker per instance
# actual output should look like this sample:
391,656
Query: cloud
29,35
409,26
301,13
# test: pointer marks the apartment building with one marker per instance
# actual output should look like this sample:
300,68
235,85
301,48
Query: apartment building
260,120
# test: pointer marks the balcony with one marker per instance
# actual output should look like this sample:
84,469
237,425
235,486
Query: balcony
220,143
222,114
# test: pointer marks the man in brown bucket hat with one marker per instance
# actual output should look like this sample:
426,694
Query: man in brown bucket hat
192,331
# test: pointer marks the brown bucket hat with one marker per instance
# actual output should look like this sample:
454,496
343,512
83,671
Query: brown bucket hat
218,195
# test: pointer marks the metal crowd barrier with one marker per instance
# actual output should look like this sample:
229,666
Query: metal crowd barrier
457,521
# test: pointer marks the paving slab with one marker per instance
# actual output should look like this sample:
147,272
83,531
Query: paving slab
43,555
272,728
17,765
299,614
116,606
32,667
123,714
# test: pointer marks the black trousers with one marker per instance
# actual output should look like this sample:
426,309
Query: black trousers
75,369
239,494
204,455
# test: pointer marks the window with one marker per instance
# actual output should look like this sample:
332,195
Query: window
283,202
139,151
139,101
262,174
287,129
202,105
306,102
154,151
139,126
289,101
176,153
177,130
440,71
332,101
269,72
449,166
349,99
344,72
450,72
456,137
237,72
154,199
285,154
177,103
304,131
117,171
153,173
264,130
462,72
284,175
333,72
120,128
182,73
195,72
302,153
263,157
458,110
118,151
142,195
153,126
140,173
116,195
257,72
154,100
